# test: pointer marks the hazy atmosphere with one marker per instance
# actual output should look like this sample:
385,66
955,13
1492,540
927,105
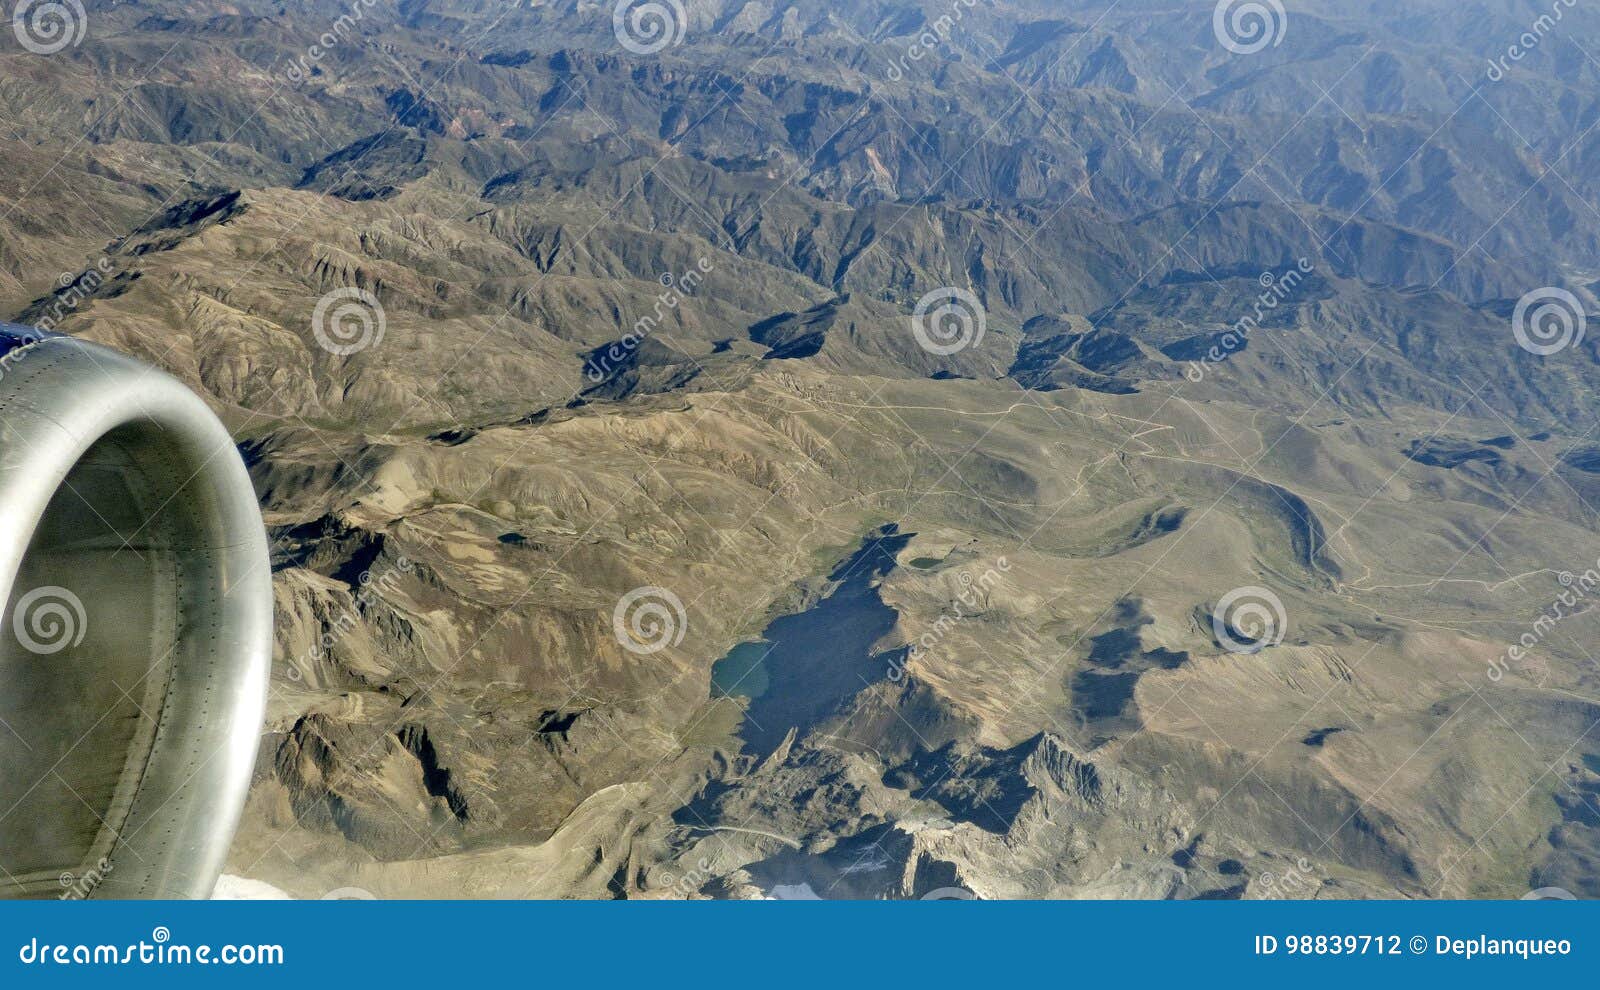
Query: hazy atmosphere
873,450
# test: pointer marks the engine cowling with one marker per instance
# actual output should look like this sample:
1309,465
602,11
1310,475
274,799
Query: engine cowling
137,631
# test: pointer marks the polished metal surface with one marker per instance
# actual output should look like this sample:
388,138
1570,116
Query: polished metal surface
136,636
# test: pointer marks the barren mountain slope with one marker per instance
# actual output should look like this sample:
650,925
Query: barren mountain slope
633,538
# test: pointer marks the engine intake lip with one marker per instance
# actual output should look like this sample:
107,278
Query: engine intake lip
136,635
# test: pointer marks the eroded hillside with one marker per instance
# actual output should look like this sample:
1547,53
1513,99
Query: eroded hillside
634,536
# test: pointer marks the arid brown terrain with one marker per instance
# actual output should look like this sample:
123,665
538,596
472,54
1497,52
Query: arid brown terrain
819,451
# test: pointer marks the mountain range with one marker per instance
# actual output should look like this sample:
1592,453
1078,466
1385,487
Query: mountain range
756,448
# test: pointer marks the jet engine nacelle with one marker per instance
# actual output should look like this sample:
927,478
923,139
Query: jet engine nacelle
137,630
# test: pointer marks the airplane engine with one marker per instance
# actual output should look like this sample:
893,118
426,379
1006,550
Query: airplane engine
137,627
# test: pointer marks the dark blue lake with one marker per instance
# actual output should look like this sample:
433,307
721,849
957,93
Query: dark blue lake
807,664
